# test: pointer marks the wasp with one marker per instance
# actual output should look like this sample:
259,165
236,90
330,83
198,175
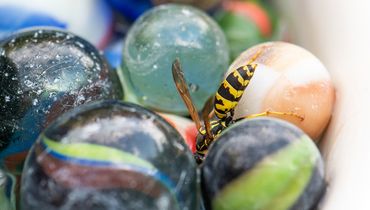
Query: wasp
221,105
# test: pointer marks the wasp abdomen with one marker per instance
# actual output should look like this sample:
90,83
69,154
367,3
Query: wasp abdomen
232,89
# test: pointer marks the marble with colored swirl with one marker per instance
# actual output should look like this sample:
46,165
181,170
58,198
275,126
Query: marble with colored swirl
110,155
263,163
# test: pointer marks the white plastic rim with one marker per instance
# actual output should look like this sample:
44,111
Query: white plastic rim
337,32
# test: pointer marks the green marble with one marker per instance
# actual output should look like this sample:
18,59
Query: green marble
263,164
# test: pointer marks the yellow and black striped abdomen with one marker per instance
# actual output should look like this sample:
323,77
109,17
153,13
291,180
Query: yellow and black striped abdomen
232,89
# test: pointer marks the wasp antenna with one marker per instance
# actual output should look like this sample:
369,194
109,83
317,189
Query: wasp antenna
182,88
176,64
257,54
206,111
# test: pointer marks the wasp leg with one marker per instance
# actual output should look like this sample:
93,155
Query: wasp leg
198,158
272,113
202,148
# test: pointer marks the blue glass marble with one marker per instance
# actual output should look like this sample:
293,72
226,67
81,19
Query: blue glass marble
131,9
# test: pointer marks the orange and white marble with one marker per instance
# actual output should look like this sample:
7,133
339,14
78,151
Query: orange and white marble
184,126
288,78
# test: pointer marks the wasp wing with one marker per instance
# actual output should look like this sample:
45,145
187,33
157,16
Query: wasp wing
182,88
206,111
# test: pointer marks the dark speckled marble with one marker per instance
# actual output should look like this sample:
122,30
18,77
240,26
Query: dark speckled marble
43,73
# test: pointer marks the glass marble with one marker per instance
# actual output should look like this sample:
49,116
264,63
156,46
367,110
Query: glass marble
203,4
152,44
246,24
113,53
110,155
263,163
43,73
184,126
7,190
288,78
131,9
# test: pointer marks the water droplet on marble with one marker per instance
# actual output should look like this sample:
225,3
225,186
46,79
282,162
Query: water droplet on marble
52,94
193,87
58,34
28,83
80,98
314,106
80,44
